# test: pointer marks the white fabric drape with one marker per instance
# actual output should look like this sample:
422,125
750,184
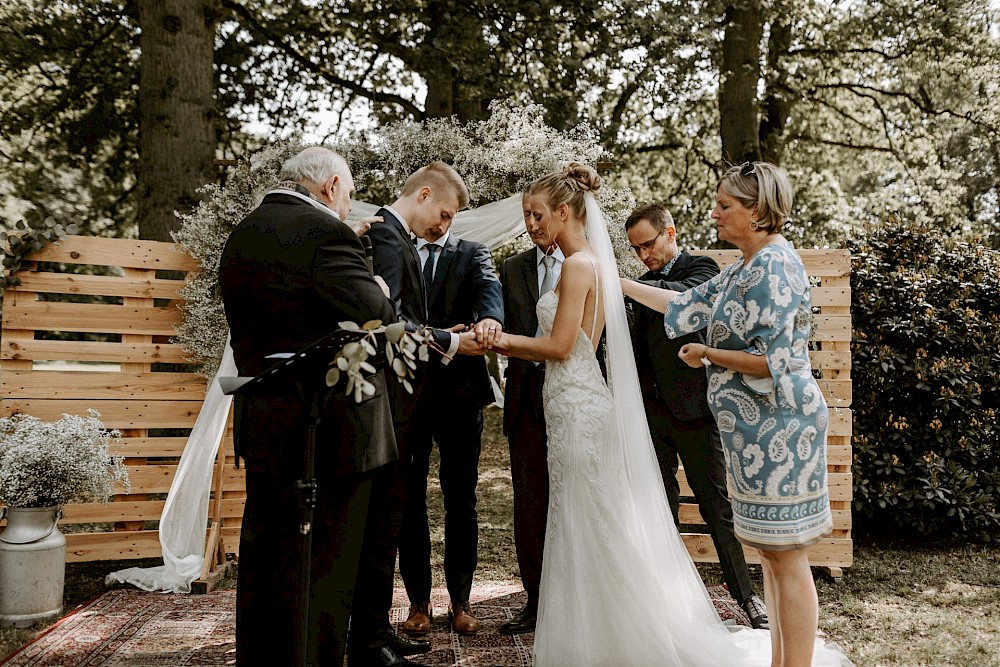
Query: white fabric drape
494,224
184,520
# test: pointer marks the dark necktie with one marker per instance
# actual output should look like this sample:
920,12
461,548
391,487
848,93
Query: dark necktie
429,266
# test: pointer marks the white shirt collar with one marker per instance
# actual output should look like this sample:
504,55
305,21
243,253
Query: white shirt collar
406,225
441,242
293,193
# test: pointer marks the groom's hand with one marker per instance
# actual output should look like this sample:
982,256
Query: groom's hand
467,344
488,332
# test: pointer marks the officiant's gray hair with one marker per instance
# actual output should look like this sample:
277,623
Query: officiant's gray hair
315,164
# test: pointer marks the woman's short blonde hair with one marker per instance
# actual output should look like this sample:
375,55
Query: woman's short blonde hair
761,186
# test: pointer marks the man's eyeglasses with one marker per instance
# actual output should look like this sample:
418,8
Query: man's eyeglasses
648,245
748,169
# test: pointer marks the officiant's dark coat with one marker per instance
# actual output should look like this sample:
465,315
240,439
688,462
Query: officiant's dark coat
289,273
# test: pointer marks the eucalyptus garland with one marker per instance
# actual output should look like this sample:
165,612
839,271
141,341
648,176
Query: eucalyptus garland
497,157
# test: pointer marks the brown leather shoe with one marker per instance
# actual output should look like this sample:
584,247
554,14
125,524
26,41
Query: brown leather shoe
419,620
462,620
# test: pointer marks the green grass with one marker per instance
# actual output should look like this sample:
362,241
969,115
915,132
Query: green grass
899,604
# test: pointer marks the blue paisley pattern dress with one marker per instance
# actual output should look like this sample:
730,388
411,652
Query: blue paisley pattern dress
773,428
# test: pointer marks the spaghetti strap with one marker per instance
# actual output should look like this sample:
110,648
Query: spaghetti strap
597,298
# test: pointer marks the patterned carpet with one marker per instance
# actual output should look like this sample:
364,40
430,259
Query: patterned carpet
129,628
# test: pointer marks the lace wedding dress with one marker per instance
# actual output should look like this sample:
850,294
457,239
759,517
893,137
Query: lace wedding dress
618,586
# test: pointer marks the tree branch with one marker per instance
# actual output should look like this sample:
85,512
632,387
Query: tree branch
285,46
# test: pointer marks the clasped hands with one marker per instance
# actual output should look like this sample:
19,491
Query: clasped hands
477,339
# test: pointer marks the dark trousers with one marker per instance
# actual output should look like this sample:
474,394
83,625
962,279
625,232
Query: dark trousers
266,597
699,448
458,435
373,595
529,474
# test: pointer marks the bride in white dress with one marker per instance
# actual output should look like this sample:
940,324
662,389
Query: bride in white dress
618,586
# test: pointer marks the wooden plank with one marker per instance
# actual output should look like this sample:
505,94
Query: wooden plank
156,478
92,318
120,545
832,359
88,385
831,328
70,283
102,251
67,350
145,510
829,297
816,262
114,414
829,551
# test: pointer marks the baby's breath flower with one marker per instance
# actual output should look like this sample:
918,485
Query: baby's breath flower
496,157
54,463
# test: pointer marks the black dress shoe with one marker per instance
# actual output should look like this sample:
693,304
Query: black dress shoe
380,656
406,646
756,612
520,624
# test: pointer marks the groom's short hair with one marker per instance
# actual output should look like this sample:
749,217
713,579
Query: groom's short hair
438,176
657,215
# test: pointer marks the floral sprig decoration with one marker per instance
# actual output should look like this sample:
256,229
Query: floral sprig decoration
45,464
402,351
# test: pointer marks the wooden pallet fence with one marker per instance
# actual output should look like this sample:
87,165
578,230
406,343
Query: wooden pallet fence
153,406
72,341
830,271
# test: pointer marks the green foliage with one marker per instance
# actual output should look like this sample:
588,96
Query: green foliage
926,377
28,237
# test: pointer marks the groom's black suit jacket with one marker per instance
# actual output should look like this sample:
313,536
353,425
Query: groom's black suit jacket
395,259
682,388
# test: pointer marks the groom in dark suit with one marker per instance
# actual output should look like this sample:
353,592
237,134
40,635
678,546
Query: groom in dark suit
462,286
289,273
680,421
427,203
523,276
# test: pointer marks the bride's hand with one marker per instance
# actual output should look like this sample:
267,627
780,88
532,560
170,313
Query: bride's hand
501,344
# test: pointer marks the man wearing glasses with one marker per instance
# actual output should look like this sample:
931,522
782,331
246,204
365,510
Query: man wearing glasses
680,421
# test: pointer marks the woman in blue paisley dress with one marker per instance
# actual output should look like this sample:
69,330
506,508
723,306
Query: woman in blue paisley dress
769,408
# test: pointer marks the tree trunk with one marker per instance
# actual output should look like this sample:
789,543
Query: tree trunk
464,93
739,76
176,110
778,97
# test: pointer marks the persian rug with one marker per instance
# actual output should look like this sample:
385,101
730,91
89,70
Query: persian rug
131,628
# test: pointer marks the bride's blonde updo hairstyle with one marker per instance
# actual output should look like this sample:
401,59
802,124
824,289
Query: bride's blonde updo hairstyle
764,186
567,186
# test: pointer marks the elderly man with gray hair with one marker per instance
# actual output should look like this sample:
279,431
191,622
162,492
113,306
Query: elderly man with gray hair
290,272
